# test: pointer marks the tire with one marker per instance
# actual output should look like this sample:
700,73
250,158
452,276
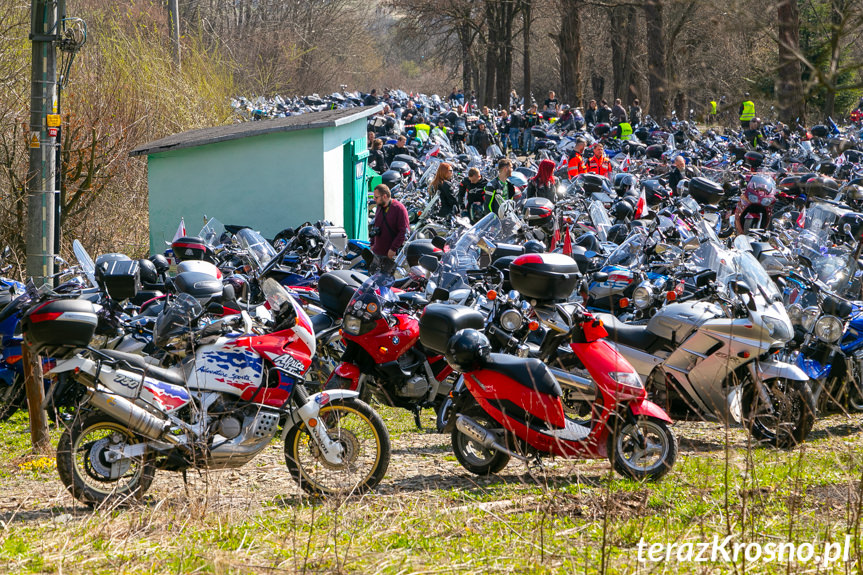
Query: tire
346,419
89,482
626,456
442,412
475,458
792,418
12,397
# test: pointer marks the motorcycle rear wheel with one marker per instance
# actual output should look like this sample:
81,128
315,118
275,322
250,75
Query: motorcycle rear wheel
87,473
791,419
364,437
650,463
12,398
474,457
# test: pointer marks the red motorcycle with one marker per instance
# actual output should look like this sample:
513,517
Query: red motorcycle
507,407
383,357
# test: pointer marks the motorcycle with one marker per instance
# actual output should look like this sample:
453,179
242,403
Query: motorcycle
217,404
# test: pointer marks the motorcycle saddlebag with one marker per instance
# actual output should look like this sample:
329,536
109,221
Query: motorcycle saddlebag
58,327
336,289
753,159
440,321
544,277
705,191
120,279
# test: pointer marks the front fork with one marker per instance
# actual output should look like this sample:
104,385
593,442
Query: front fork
308,410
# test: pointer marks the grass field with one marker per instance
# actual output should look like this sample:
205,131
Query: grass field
431,516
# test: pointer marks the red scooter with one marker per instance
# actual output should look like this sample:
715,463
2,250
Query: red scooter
507,407
383,357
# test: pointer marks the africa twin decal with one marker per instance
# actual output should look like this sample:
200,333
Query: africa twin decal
287,362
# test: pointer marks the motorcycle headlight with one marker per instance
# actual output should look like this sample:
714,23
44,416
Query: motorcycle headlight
777,328
627,378
810,315
828,328
754,198
352,324
511,320
795,313
766,201
642,296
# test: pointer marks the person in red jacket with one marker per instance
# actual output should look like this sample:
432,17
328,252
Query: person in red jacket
576,165
599,163
389,230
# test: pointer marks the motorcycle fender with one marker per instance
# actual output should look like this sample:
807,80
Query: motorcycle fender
348,371
313,406
71,364
762,370
647,408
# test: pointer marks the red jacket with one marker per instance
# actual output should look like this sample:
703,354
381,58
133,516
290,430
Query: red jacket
600,166
393,225
575,166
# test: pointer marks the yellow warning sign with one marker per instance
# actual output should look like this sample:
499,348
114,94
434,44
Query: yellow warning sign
54,120
34,140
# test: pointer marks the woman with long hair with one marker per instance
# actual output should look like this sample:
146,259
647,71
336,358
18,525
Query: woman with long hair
542,185
442,185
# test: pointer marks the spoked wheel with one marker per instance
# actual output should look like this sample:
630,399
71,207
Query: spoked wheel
643,451
91,469
12,398
473,456
360,432
791,417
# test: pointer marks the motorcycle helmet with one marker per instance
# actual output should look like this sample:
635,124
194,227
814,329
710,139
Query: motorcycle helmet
854,192
239,285
623,210
310,241
391,178
642,133
283,237
655,151
161,263
463,158
617,233
683,188
534,247
654,192
759,183
624,182
148,272
601,130
467,350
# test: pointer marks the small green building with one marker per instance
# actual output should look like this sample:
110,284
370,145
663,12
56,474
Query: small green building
267,174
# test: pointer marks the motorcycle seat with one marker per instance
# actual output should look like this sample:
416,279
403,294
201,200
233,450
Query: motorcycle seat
531,373
635,336
137,363
321,322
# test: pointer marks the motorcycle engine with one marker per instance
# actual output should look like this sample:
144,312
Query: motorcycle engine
415,386
229,427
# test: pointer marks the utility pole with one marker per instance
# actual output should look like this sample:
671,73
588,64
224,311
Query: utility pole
174,24
41,183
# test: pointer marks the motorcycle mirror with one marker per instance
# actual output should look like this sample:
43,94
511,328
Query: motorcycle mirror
438,242
704,278
429,262
440,294
739,288
215,308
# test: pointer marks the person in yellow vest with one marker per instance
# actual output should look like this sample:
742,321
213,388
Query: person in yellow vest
747,111
712,111
624,130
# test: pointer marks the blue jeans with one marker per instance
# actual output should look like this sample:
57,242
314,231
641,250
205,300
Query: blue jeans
529,141
513,138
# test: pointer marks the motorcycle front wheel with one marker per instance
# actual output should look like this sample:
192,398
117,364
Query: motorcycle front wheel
792,415
90,471
644,451
362,435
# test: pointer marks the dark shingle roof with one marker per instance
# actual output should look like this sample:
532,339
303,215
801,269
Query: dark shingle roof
200,137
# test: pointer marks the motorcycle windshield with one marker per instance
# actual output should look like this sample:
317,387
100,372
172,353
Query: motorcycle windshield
85,262
599,218
175,320
259,250
630,252
372,297
741,266
212,232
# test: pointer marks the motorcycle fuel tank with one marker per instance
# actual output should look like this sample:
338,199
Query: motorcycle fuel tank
675,322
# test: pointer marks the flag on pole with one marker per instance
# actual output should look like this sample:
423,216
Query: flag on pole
181,231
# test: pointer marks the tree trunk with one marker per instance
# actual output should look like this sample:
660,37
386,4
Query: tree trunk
569,44
526,17
789,90
656,71
623,20
837,22
597,84
464,38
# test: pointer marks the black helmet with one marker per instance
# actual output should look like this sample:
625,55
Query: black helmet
534,247
161,263
149,275
624,182
617,233
391,178
623,210
467,350
642,133
310,241
600,130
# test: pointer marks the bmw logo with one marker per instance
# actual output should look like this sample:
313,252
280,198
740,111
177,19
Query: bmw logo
395,341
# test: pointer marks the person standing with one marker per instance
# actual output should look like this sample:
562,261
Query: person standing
618,113
389,230
599,164
542,184
377,162
712,111
531,119
747,111
442,186
677,173
481,138
499,190
516,125
590,114
576,164
635,113
371,98
471,192
603,114
551,106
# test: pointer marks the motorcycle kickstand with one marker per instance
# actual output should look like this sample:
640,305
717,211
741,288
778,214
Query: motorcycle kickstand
417,410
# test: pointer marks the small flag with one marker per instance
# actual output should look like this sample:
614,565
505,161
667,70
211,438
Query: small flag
567,243
181,231
641,204
801,219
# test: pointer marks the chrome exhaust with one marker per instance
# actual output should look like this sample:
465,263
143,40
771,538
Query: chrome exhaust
484,437
132,416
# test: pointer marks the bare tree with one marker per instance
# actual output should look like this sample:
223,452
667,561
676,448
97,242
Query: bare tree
789,89
569,44
656,64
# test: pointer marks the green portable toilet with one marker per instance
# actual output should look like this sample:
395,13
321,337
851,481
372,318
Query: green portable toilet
356,194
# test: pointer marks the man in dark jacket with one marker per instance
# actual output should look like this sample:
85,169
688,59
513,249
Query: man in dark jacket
389,230
618,113
481,139
471,191
371,98
603,114
500,189
400,147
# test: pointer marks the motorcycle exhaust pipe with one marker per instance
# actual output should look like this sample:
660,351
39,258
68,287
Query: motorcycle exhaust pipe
484,437
132,416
